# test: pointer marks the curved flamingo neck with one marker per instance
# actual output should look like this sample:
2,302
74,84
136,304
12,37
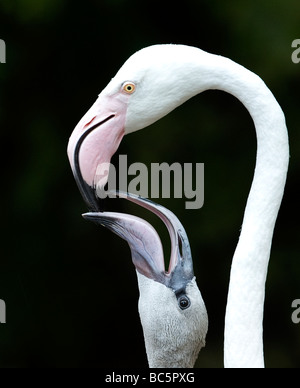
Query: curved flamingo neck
243,345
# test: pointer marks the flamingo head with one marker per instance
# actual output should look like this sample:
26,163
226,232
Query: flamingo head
171,307
150,84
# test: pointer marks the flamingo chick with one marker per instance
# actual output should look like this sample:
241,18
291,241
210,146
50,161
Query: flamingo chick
171,308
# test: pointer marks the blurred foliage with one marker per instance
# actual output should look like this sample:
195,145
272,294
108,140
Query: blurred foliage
70,288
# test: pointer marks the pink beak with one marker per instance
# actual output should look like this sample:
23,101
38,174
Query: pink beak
93,142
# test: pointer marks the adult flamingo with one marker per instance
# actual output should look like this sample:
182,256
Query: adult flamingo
152,83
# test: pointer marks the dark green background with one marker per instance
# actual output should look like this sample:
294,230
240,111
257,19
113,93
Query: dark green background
70,287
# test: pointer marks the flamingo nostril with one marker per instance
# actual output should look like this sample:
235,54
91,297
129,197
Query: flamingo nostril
90,122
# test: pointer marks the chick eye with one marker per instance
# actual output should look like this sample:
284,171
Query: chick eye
129,87
184,302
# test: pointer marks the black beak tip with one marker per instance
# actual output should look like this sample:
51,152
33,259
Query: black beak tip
94,217
99,218
88,193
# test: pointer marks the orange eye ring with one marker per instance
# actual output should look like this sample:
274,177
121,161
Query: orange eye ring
129,87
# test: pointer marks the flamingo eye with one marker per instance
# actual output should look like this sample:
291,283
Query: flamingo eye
129,87
184,302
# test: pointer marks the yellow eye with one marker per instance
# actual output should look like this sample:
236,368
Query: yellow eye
129,87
